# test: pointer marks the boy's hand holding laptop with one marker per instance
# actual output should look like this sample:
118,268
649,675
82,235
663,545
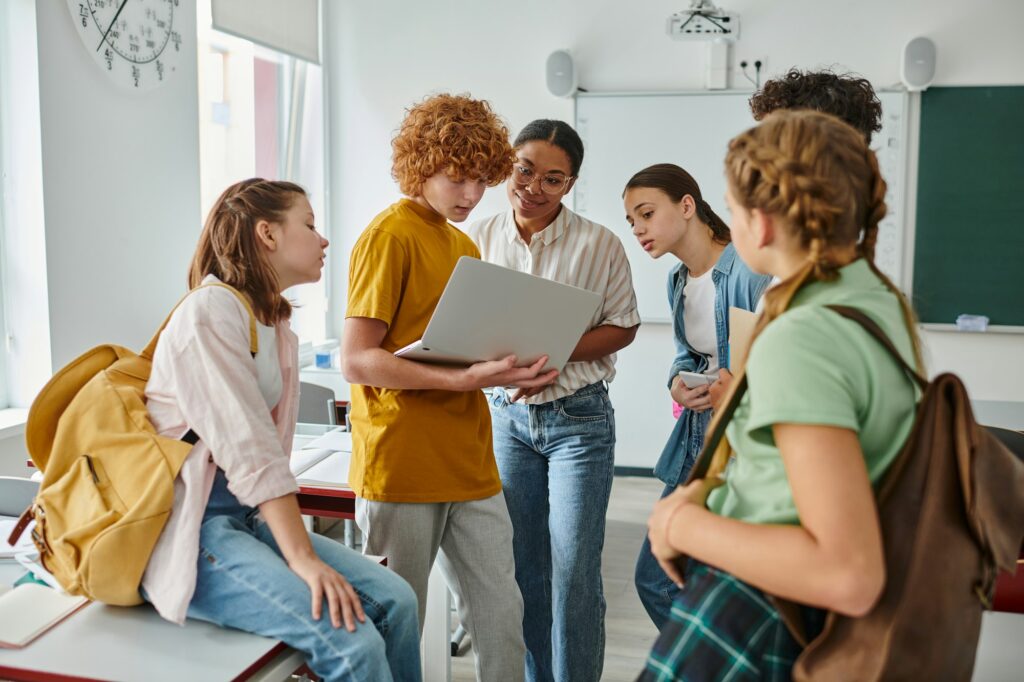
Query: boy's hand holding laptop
505,372
489,314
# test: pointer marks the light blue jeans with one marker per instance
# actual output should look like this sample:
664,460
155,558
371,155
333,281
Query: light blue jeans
244,583
556,462
656,589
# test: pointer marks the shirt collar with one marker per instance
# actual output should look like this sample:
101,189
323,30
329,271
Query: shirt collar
726,260
426,214
546,236
723,264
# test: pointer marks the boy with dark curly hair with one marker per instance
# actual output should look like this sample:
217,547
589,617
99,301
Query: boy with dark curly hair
845,96
422,461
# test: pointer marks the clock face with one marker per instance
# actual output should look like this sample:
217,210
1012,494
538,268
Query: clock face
133,41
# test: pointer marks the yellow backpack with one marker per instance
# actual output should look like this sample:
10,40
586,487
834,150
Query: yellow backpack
108,477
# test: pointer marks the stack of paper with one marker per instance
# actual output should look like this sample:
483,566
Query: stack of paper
324,461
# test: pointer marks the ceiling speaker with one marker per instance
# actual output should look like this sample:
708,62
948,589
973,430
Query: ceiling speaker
561,74
917,69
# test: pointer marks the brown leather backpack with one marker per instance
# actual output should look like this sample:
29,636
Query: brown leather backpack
951,509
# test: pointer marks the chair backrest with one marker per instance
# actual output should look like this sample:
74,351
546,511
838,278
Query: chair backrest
16,494
1013,440
316,404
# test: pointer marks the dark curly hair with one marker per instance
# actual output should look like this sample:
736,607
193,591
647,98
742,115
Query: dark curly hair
846,96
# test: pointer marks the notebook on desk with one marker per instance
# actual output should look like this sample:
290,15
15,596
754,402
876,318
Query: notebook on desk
488,312
29,610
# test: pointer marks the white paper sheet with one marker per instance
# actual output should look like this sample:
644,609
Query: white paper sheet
331,471
337,440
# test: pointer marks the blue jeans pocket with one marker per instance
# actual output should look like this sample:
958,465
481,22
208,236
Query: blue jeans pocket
589,407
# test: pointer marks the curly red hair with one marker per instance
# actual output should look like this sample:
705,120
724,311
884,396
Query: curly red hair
456,134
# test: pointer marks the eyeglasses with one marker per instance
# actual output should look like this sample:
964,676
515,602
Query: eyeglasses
549,184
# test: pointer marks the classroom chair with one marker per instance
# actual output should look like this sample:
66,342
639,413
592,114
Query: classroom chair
316,404
16,494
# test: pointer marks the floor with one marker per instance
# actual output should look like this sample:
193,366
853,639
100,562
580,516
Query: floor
1000,655
630,632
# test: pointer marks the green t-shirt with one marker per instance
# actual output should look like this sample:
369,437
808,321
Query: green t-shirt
811,366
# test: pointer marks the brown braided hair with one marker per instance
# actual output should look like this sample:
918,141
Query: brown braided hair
229,250
818,175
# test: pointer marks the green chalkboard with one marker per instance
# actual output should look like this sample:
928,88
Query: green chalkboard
969,232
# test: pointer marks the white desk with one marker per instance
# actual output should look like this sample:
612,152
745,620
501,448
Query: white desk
113,643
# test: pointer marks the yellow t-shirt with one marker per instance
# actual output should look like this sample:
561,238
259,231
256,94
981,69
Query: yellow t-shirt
424,445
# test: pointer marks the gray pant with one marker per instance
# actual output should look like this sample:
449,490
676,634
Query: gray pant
475,542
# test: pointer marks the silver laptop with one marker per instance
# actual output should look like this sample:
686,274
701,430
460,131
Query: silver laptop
488,312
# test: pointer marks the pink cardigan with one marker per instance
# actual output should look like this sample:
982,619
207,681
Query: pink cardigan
204,378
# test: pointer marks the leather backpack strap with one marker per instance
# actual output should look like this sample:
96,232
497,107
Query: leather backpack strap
254,344
872,328
715,453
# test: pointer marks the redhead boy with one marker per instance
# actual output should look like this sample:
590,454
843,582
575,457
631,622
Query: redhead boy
423,462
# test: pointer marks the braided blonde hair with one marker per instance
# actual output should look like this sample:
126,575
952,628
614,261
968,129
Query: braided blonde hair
818,175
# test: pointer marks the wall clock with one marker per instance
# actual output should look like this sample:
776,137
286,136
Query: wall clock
134,42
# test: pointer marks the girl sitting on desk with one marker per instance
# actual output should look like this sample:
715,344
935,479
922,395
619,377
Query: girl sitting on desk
234,551
668,214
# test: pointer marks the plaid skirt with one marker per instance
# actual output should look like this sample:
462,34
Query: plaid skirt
722,629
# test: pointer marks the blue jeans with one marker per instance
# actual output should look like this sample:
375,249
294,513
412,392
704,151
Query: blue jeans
556,462
655,588
244,583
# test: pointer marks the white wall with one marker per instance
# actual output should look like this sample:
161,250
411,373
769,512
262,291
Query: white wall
120,187
384,55
120,194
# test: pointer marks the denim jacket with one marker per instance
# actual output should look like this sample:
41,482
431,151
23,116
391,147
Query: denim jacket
735,285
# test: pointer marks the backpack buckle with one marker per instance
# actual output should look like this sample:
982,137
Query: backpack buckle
39,532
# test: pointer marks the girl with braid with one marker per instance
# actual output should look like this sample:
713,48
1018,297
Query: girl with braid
668,214
825,413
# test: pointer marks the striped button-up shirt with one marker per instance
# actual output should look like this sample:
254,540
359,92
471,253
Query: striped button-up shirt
574,251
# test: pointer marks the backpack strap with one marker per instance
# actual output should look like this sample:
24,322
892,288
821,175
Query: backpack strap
191,437
872,328
716,451
254,344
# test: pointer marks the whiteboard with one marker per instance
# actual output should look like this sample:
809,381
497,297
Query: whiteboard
624,133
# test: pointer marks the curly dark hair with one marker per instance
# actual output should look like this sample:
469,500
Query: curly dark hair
846,96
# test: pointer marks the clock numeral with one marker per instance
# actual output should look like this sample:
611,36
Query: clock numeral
136,75
159,70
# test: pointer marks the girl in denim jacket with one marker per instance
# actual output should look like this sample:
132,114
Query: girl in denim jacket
668,214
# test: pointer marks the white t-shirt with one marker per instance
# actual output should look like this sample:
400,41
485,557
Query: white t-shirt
699,316
268,365
759,308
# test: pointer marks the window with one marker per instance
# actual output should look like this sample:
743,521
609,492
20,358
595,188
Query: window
261,113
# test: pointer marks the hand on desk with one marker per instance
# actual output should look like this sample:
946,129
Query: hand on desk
342,601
